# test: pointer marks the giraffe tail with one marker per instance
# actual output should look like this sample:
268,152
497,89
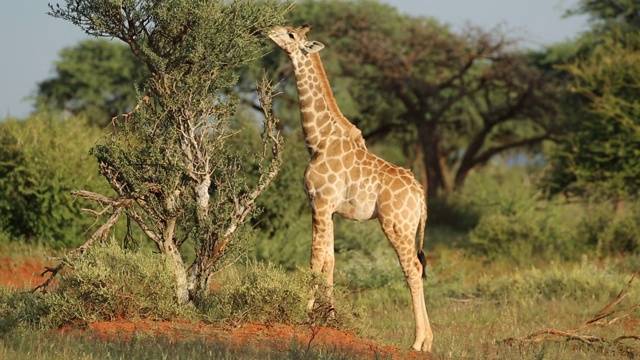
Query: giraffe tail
421,229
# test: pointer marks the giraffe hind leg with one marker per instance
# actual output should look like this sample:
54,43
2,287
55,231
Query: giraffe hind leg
423,261
413,269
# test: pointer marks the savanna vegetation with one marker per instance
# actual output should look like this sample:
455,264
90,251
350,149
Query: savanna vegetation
160,165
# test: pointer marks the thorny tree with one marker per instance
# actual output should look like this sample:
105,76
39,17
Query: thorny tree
168,159
466,98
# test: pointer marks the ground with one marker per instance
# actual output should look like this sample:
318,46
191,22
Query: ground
25,273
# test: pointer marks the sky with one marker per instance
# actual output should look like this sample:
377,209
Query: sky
31,40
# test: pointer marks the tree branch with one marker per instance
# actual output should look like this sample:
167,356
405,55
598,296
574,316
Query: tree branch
554,335
118,205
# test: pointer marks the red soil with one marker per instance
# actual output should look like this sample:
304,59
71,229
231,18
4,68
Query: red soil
22,273
25,274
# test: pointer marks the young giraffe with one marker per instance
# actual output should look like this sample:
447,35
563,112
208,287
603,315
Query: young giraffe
343,177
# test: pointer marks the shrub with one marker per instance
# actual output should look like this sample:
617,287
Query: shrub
622,236
21,310
264,293
42,159
516,225
611,233
545,232
111,283
454,211
378,271
582,283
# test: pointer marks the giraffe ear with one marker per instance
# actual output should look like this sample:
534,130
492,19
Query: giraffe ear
312,46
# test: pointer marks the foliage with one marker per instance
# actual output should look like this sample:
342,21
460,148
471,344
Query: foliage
169,159
609,15
489,302
585,282
96,78
110,283
20,310
107,283
517,226
41,159
600,155
613,234
264,293
604,154
377,271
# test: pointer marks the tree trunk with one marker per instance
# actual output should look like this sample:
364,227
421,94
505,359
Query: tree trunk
175,259
436,168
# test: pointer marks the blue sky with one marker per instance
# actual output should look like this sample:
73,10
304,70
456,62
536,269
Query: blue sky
31,40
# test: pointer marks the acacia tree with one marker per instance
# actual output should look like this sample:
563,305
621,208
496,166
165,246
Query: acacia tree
454,100
465,98
168,160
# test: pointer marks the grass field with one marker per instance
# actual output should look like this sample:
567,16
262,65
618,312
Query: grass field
477,310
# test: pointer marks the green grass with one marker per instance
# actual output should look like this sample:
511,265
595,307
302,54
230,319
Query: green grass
473,314
474,307
45,346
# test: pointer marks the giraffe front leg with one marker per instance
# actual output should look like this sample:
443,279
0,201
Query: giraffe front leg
322,254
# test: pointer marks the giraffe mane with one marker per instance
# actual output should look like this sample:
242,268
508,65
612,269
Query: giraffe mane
330,100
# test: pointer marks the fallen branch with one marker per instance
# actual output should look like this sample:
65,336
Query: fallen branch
555,335
118,205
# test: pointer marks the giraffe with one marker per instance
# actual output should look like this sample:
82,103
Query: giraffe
343,177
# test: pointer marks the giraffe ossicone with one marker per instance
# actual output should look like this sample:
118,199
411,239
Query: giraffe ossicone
344,177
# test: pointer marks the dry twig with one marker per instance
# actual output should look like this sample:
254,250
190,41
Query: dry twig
118,205
554,335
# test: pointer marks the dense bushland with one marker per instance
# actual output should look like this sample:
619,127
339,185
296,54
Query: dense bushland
42,159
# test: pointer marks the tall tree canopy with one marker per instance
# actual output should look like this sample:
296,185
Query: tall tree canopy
601,153
452,100
96,78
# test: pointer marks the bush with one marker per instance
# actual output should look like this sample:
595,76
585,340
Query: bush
42,159
378,271
622,235
21,310
544,232
519,227
264,293
111,283
582,283
106,283
454,211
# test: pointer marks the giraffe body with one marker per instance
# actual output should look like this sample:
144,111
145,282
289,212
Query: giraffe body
344,177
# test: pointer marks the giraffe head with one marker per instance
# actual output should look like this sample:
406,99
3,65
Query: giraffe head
294,40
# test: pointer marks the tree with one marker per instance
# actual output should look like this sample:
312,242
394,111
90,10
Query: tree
453,101
600,156
96,78
168,159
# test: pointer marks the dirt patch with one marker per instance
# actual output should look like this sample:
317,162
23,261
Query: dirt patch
277,337
22,273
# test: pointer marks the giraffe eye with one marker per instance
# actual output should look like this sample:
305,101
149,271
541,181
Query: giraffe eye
291,36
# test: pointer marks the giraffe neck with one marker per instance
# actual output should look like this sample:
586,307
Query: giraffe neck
321,117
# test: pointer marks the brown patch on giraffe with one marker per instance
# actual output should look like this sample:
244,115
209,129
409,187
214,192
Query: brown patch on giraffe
319,106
